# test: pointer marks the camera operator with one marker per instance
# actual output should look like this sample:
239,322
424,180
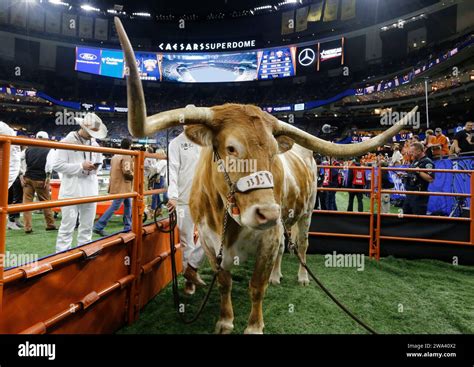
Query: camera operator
417,181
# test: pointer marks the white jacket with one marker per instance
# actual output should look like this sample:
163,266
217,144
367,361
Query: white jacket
149,167
397,157
183,158
161,167
15,154
48,168
76,182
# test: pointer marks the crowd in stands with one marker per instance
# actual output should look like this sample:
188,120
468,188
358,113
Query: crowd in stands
75,86
436,145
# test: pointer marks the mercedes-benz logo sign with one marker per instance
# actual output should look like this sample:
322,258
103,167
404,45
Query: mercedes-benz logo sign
306,57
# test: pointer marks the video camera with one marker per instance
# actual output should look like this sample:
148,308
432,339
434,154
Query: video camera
411,179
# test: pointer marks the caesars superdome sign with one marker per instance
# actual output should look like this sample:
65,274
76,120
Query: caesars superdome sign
207,46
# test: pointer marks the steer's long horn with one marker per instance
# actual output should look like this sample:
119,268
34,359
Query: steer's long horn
341,150
138,122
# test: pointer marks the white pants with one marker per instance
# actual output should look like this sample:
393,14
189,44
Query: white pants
69,215
385,205
193,254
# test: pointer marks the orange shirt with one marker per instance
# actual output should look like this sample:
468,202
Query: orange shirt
443,140
406,152
431,139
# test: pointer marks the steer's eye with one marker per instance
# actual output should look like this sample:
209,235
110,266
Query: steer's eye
231,150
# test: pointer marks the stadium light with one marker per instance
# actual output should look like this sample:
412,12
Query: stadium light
58,2
287,2
142,14
263,7
402,22
88,7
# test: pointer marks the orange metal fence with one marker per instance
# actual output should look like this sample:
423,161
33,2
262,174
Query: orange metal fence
137,195
374,237
137,268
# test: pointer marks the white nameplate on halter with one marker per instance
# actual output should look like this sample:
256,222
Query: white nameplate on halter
257,180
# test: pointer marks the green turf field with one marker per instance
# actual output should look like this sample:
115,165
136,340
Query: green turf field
393,296
342,200
42,243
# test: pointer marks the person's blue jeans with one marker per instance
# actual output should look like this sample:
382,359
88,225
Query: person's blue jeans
127,214
331,200
156,198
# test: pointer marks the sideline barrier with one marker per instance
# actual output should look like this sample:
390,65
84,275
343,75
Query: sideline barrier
94,288
378,228
108,281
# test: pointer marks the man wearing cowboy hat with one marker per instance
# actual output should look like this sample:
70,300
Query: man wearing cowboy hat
79,179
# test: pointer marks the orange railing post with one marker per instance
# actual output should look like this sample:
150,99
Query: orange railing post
138,207
379,213
4,169
471,205
375,236
371,210
137,228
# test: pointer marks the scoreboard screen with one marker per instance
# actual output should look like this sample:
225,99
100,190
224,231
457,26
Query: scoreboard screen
331,54
148,65
210,68
276,63
112,63
263,64
88,60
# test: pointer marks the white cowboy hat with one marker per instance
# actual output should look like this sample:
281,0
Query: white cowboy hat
42,135
93,125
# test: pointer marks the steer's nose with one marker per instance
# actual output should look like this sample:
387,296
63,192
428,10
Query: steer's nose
267,215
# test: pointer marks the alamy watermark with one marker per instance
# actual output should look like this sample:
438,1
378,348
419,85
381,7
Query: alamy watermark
336,260
67,118
28,349
393,117
10,260
237,165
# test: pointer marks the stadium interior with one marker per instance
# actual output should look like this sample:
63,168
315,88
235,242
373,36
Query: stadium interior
332,68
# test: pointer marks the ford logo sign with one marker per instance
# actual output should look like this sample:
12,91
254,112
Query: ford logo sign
86,56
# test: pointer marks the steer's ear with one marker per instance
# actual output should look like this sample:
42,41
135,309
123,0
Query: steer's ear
199,134
284,143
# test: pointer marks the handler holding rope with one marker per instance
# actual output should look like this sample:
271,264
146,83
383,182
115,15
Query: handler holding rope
183,157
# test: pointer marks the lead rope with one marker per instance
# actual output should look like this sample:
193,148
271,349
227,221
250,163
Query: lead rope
293,248
175,284
174,272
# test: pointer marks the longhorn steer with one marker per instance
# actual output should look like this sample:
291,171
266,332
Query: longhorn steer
245,132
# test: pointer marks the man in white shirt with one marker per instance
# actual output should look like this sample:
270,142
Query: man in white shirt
160,169
149,168
15,159
79,179
15,154
397,157
183,158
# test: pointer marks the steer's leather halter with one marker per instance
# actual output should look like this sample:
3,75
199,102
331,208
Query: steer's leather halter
255,181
